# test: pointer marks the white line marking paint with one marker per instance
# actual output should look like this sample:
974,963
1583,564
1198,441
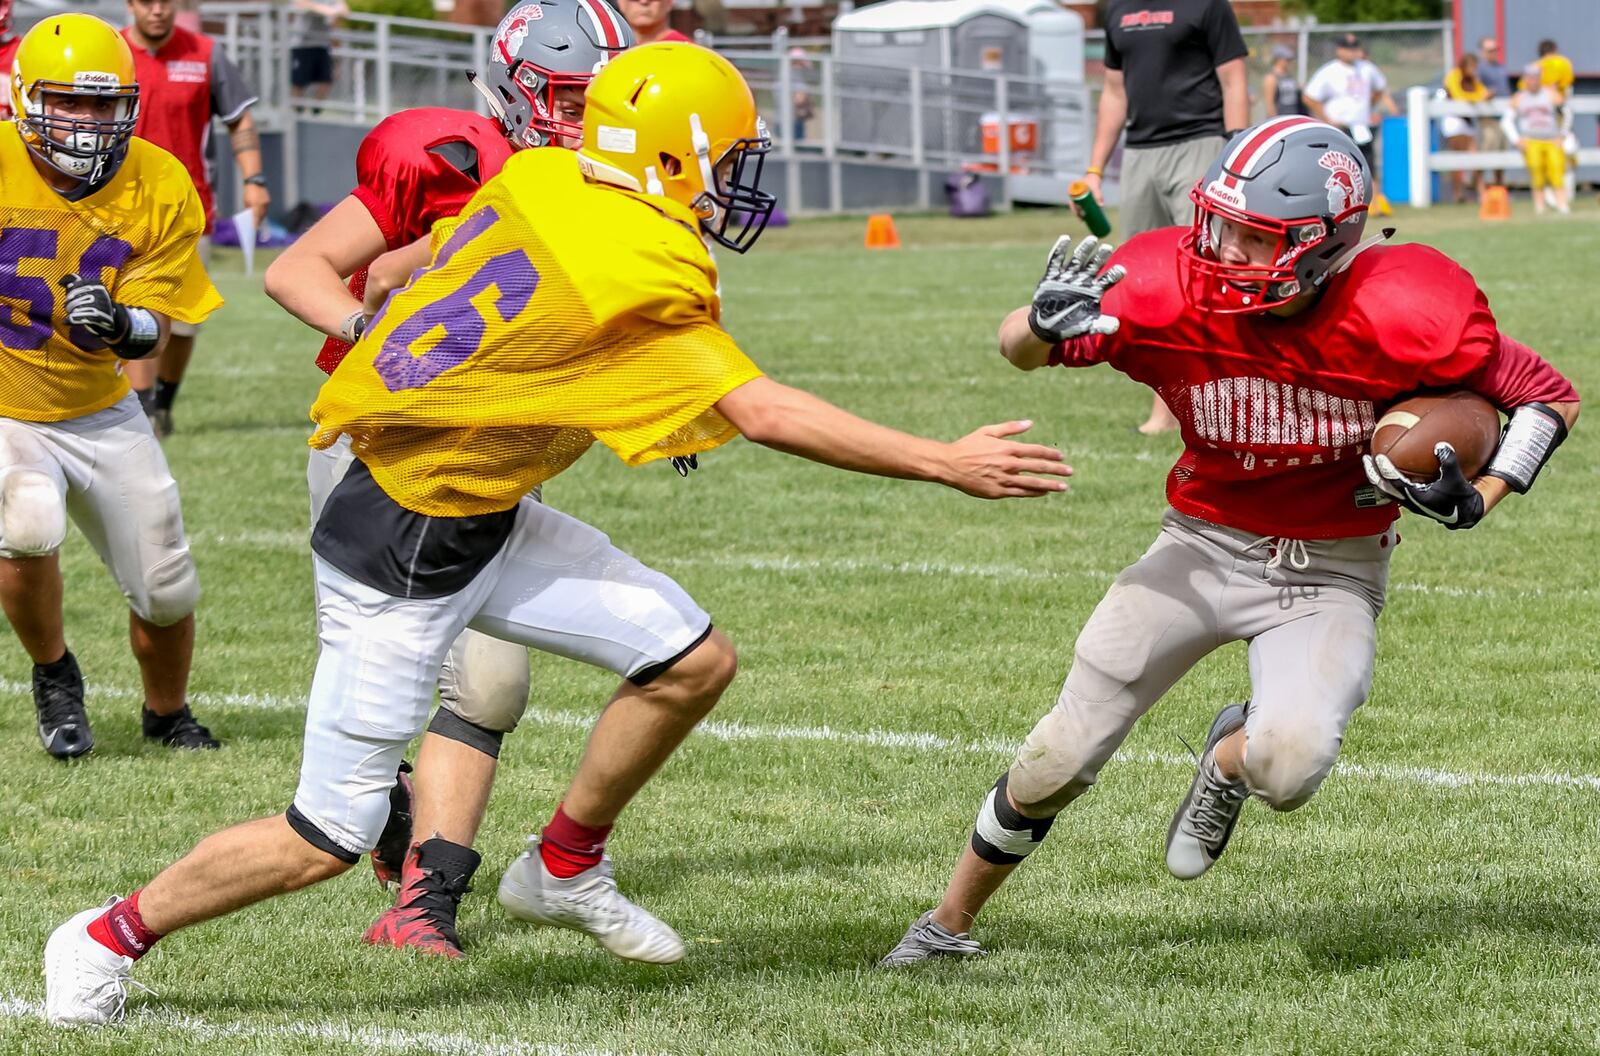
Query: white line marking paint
361,1038
999,747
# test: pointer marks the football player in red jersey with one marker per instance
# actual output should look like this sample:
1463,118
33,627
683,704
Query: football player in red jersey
8,54
413,169
1272,330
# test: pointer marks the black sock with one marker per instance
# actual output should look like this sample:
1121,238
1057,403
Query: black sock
147,399
166,392
57,668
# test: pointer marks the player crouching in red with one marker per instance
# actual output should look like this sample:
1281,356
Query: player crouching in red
415,168
1274,333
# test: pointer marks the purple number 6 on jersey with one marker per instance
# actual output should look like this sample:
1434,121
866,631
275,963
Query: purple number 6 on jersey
511,273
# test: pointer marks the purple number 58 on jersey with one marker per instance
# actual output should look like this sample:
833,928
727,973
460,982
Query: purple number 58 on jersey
511,273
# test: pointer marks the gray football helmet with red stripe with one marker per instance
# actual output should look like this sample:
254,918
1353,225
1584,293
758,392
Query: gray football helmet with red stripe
540,47
1304,184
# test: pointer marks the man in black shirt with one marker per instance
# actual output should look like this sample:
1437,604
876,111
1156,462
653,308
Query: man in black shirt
1175,77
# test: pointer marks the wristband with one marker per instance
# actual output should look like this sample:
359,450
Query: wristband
1094,170
258,180
353,327
142,336
1530,438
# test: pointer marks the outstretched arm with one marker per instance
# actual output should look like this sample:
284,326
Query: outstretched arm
984,463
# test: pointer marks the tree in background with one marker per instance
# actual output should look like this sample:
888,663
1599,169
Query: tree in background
1369,10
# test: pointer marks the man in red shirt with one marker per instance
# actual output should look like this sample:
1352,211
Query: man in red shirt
185,80
8,53
1278,337
649,20
414,169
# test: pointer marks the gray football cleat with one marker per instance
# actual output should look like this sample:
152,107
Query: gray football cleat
927,939
1200,829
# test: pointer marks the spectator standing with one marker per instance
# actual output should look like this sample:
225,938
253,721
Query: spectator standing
805,108
311,60
649,21
184,81
1176,81
1280,88
1462,85
1537,123
8,51
1345,93
1497,82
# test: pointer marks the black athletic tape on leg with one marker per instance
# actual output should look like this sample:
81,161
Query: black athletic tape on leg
655,671
453,727
1010,819
307,830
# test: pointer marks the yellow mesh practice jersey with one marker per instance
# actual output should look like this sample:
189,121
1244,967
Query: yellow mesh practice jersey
138,234
555,312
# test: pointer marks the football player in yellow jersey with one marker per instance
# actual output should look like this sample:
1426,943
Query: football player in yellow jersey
1555,71
97,244
574,299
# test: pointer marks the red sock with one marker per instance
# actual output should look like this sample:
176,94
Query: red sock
120,929
569,848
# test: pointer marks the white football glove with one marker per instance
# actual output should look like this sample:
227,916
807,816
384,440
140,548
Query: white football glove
1067,301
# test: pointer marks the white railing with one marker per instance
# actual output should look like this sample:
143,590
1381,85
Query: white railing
1423,108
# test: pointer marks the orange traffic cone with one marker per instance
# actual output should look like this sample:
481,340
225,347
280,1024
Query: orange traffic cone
881,233
1495,204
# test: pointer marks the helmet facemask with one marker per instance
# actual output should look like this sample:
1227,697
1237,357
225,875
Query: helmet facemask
539,87
732,192
87,149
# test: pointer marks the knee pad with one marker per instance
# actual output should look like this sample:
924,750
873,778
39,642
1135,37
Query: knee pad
1285,770
171,590
33,514
1001,835
485,682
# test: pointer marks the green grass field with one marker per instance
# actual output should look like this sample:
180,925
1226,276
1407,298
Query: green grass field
1438,895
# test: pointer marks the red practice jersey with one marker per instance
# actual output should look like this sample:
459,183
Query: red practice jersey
8,54
415,169
182,85
1276,412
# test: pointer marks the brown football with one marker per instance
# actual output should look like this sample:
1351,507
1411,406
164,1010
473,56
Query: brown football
1411,427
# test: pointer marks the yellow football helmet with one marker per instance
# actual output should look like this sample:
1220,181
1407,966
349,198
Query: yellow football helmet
678,120
60,62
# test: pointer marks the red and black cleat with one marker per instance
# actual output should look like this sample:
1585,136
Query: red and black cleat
436,874
390,854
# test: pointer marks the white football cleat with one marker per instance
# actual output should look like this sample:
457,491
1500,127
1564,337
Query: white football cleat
590,903
84,982
1200,829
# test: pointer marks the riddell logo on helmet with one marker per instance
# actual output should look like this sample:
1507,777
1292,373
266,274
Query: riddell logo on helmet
95,79
1221,193
1346,186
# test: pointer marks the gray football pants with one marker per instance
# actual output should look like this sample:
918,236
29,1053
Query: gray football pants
1308,610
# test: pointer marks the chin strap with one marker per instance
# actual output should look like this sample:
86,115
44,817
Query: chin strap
1359,248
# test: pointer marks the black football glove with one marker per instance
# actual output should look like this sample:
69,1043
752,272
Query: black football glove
90,306
1449,499
1067,302
684,463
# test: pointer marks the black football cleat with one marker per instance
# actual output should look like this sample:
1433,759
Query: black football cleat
433,880
179,730
58,699
389,856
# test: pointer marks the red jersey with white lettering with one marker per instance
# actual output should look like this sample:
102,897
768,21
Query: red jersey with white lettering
8,54
1276,412
415,169
182,85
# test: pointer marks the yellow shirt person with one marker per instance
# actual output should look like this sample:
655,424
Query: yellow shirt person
138,233
556,311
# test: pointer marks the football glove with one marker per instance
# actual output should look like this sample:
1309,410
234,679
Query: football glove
132,333
1067,301
1449,499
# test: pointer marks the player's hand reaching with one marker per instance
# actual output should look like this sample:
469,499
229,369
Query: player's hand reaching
90,306
1449,499
1067,301
987,465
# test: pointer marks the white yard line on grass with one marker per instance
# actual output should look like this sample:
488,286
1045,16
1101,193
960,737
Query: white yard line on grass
365,1039
719,730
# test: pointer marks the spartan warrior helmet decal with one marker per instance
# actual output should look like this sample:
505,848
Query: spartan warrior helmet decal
1295,179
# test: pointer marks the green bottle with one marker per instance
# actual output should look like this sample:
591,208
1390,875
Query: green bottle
1088,209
